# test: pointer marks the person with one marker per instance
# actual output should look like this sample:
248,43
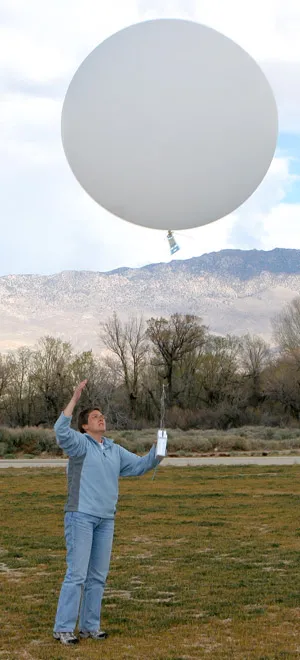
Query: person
95,465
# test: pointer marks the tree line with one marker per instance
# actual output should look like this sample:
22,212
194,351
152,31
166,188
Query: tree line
210,381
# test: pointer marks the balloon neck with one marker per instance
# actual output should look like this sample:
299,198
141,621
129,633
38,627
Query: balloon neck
172,243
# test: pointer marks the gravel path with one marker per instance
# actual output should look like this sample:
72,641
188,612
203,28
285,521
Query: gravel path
179,462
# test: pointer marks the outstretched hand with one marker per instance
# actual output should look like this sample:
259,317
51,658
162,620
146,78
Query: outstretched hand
78,391
68,411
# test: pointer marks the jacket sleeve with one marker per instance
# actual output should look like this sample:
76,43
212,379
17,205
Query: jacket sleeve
134,466
72,442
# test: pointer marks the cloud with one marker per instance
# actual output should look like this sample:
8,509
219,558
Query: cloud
281,227
67,230
44,41
284,78
48,222
268,30
163,8
16,86
251,223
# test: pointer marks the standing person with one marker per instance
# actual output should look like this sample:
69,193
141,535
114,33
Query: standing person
95,465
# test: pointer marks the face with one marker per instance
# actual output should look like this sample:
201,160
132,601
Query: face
96,422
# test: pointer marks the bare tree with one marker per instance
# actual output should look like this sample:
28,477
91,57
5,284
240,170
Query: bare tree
173,339
52,367
6,365
19,400
283,386
217,377
255,357
127,341
286,328
102,380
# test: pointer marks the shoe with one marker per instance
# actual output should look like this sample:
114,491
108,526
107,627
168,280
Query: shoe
66,638
93,634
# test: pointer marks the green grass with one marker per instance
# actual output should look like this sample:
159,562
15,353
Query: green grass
205,564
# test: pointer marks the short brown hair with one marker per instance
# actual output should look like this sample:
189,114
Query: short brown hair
84,416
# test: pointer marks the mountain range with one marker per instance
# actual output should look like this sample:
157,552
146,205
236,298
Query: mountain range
233,291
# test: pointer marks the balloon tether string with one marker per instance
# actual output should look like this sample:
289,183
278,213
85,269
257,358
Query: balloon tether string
162,418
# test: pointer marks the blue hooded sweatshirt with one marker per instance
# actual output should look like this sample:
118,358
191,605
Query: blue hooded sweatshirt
94,470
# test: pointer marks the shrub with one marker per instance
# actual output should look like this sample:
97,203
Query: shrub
204,418
3,448
241,444
29,440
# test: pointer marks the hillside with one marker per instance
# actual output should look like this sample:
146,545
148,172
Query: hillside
233,291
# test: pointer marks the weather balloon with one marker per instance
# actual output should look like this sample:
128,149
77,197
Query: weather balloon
169,124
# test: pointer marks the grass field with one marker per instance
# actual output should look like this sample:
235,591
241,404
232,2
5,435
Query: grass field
206,564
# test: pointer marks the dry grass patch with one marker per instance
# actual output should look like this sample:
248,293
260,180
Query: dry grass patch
205,564
32,442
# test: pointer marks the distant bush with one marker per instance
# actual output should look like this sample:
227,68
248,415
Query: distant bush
29,440
3,448
225,416
34,441
204,418
243,439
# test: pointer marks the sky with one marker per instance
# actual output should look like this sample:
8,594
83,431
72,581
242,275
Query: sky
48,224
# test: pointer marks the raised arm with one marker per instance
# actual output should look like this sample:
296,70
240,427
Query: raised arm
134,466
68,411
72,442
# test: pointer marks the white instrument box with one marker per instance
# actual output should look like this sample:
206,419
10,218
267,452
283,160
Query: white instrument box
161,446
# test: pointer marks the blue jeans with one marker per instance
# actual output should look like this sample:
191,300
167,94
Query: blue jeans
89,542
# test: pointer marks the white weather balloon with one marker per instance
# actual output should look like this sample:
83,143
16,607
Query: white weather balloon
169,124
